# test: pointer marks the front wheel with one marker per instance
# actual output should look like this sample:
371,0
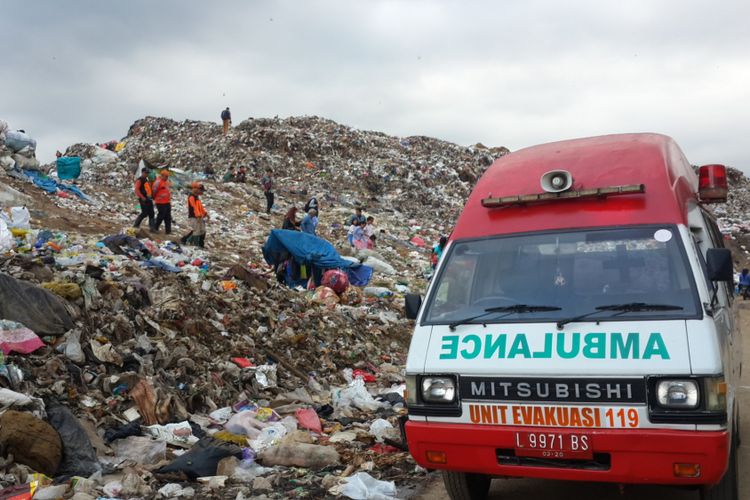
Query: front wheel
466,486
728,487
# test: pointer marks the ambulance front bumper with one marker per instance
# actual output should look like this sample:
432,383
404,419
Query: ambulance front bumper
642,456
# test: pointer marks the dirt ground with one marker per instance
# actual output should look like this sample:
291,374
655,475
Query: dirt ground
508,489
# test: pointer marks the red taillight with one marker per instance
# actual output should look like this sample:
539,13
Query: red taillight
712,183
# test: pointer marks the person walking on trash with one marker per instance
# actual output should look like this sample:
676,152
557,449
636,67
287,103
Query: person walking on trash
267,182
197,217
290,220
310,223
143,191
163,201
226,119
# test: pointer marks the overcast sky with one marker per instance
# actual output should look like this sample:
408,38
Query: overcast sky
504,73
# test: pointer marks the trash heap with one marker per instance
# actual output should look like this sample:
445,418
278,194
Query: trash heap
137,367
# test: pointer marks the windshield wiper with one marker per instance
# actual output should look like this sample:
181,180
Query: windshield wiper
516,308
622,309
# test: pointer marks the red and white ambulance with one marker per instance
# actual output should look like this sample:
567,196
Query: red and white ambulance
580,325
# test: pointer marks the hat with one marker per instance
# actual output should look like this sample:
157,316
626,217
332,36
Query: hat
197,185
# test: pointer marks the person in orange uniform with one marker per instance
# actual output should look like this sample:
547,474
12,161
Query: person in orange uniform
143,191
197,217
163,201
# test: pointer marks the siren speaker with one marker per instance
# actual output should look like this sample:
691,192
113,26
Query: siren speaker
557,181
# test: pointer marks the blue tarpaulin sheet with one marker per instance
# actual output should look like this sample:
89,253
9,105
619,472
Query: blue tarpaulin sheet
310,250
51,186
68,167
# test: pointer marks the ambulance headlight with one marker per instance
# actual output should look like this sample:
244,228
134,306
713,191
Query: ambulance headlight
677,393
440,390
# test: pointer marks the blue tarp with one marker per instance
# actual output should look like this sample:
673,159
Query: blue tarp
307,249
68,167
50,185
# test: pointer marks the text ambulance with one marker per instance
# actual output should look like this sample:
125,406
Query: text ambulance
580,325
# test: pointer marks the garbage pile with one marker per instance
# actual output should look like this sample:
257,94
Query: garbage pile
135,366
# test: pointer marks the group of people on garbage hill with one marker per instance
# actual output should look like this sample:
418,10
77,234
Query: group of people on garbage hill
158,193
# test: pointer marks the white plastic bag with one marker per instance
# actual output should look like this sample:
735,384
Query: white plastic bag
6,238
179,434
269,436
355,395
362,486
245,423
20,218
381,428
73,350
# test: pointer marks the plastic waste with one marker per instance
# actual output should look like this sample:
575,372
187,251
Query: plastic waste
377,291
174,490
245,423
6,238
203,458
362,486
308,419
14,337
179,434
355,395
79,457
381,428
379,265
269,436
326,296
140,449
20,218
73,350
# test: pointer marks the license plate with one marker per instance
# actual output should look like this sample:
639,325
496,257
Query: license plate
554,445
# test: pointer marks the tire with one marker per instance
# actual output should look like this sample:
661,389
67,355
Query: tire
466,486
728,487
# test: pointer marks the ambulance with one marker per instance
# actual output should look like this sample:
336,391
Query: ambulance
580,325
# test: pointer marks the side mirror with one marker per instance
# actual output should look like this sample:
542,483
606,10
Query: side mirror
719,264
412,303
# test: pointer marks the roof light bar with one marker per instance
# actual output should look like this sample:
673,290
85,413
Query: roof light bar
565,195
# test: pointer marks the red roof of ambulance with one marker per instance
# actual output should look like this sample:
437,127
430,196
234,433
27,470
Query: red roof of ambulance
611,160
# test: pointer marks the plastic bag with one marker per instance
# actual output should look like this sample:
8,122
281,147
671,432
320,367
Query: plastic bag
308,419
14,337
203,458
355,395
381,428
245,423
140,449
73,350
6,238
179,434
362,486
20,218
269,436
378,291
79,457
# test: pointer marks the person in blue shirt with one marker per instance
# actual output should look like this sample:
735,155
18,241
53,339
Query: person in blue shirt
744,283
310,223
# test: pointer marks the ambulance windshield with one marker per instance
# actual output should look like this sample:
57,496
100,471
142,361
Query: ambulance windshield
576,271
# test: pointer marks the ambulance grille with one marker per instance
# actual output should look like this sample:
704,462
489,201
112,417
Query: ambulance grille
601,461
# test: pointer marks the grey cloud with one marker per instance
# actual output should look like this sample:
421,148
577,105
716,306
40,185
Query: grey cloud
503,73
